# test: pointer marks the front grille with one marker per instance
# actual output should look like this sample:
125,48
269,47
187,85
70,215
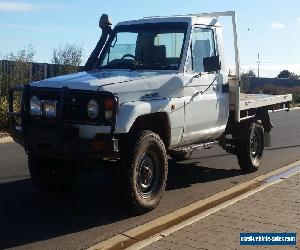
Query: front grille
72,105
75,107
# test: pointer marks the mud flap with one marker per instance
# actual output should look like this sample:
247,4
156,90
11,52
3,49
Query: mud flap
268,140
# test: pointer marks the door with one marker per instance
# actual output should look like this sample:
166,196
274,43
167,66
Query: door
203,114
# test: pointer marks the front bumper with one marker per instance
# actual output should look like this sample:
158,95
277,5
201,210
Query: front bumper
58,139
55,144
51,143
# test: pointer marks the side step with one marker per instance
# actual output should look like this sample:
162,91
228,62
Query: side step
193,147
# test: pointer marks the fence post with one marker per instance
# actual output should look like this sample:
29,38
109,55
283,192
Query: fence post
51,70
30,72
45,71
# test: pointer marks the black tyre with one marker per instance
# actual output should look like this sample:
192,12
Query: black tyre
181,155
51,174
250,146
145,172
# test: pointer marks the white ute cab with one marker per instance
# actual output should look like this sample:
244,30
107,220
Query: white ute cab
152,87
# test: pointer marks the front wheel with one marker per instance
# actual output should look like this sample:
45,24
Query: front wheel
250,146
146,171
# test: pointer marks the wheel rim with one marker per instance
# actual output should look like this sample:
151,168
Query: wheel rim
255,145
147,175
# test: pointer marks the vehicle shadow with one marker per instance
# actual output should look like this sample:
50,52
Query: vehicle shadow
27,215
182,175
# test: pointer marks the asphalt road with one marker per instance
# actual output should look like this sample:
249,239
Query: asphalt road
94,211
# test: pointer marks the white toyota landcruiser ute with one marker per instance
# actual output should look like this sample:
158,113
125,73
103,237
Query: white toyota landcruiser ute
152,87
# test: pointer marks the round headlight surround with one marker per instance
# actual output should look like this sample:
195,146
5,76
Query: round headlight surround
35,106
93,109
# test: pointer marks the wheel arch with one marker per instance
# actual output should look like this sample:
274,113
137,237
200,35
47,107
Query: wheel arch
158,122
263,115
260,114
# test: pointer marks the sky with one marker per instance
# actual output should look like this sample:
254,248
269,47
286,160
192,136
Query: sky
268,27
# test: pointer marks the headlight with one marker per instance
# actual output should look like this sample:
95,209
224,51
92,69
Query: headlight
93,109
35,106
49,108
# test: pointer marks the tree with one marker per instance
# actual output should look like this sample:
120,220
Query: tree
248,74
287,75
70,56
246,81
19,69
23,55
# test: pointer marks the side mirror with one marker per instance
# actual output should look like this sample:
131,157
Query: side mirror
211,64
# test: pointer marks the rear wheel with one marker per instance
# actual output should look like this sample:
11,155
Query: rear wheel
145,172
250,146
51,174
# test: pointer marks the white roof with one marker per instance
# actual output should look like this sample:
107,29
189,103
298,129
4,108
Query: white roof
190,19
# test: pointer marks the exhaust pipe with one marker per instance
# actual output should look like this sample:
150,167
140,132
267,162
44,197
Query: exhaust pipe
105,25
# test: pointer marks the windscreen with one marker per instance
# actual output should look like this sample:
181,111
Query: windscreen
145,46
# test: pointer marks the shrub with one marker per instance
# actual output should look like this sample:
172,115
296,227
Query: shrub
19,72
3,113
69,56
296,98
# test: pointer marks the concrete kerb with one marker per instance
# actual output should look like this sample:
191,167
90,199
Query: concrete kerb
295,108
142,232
6,140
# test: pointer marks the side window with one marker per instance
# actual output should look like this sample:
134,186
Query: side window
172,42
203,45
